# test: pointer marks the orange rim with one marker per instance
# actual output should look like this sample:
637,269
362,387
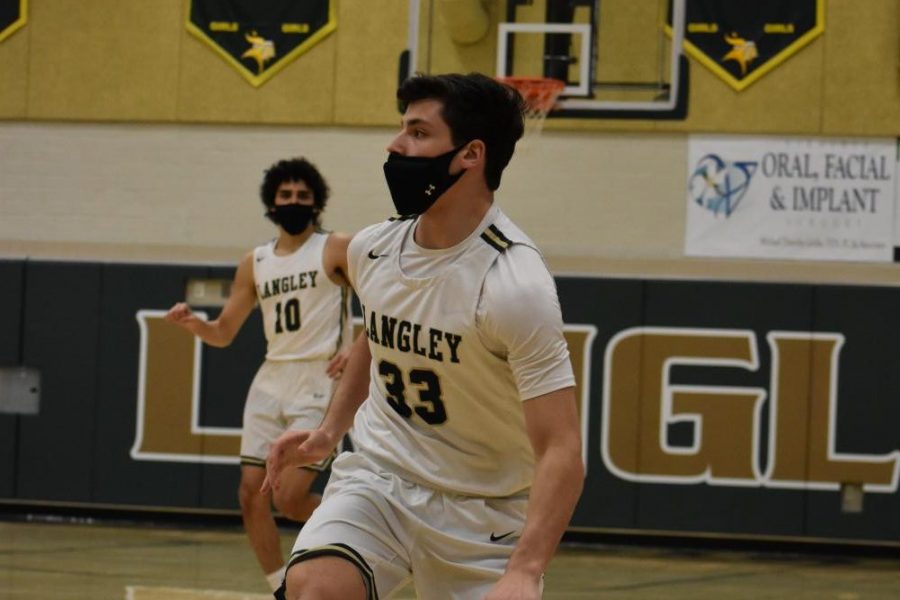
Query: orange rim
540,93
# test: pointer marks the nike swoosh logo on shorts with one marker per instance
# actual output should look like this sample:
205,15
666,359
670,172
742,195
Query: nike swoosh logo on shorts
497,538
373,256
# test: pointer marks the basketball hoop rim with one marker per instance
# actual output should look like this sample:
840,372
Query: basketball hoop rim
514,79
540,93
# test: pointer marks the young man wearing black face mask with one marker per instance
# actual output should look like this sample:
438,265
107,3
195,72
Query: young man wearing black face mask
468,455
299,280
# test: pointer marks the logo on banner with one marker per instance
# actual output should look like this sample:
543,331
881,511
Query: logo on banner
12,16
261,50
261,38
742,41
719,186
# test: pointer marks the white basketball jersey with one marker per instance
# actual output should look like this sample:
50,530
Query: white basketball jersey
305,314
443,410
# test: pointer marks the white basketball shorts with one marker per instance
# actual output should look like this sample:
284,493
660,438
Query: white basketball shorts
453,547
285,395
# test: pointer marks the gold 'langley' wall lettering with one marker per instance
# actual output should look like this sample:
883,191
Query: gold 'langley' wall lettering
641,404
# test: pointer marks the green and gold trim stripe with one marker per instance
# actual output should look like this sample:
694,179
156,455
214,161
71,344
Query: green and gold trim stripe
250,461
493,236
345,552
324,464
342,320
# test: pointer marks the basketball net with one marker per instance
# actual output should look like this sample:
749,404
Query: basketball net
540,94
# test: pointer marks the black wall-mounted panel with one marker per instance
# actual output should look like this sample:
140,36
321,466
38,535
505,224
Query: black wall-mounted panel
868,406
81,329
62,307
119,478
227,374
610,305
12,273
759,308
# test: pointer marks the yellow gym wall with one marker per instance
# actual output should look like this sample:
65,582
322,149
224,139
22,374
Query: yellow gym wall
124,137
134,60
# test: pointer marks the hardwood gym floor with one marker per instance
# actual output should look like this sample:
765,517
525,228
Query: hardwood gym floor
97,561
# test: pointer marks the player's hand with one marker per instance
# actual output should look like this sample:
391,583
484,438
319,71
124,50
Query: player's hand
180,314
338,363
516,586
295,449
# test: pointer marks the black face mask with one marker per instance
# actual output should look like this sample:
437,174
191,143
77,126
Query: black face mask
293,218
416,182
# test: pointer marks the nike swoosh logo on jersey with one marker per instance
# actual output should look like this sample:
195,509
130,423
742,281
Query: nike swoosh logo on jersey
497,538
260,258
373,256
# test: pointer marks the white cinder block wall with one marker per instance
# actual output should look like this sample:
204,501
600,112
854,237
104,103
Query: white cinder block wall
124,186
607,203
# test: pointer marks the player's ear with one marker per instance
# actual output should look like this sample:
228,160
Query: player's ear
473,153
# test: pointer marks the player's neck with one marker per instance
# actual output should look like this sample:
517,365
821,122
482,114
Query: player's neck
288,244
453,217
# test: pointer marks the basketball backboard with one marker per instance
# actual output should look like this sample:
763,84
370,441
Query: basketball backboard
615,56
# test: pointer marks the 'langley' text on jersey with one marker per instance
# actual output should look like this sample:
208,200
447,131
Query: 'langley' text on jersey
406,336
283,285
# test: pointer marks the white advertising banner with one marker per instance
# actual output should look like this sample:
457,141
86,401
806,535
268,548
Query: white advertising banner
793,198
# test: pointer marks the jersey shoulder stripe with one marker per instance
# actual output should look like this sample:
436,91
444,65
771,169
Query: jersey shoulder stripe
496,239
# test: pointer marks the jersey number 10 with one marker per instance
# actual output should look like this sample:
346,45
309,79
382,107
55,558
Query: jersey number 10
291,316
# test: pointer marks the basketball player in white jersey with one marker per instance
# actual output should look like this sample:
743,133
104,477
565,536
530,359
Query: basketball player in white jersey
299,280
468,455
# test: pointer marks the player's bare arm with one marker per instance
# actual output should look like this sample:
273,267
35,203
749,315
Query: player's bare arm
334,258
337,364
221,331
552,424
299,448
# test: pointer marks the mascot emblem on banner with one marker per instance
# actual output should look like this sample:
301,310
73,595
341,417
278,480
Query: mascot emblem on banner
260,37
742,41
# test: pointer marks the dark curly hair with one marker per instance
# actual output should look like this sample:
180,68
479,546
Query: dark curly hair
294,169
475,107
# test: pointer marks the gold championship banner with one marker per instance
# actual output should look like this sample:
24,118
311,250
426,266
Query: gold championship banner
13,14
742,41
260,37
